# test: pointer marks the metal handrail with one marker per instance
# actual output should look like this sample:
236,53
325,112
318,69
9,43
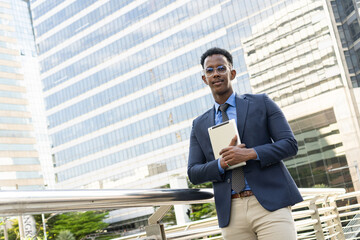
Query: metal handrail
317,217
14,203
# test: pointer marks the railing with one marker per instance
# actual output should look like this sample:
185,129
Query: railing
14,203
317,217
17,203
325,213
352,227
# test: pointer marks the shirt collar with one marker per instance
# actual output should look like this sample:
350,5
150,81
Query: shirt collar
230,101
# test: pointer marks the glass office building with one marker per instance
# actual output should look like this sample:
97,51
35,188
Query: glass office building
122,83
346,16
294,57
22,143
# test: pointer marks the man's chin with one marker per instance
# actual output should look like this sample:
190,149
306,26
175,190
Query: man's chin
220,92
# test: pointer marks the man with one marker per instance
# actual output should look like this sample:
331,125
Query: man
260,210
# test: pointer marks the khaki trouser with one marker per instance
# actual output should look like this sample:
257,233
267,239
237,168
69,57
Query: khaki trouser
249,220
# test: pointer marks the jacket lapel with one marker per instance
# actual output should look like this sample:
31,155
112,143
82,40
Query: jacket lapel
211,118
242,105
209,121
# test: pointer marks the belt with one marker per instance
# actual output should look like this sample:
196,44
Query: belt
243,194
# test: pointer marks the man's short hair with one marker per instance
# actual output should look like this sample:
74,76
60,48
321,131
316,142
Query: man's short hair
216,50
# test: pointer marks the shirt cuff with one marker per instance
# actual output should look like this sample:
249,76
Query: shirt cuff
221,170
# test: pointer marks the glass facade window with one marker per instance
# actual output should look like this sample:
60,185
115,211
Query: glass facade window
114,115
354,30
292,59
44,7
321,158
17,134
131,132
348,6
348,30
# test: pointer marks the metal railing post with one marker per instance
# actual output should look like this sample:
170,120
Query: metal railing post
337,221
329,222
156,230
317,226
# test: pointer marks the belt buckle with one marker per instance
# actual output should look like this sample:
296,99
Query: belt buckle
238,195
243,194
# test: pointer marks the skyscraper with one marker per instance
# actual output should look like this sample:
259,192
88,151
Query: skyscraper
122,84
345,17
119,86
294,56
21,147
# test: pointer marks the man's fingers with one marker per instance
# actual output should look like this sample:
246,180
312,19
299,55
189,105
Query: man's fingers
226,158
225,154
233,141
223,150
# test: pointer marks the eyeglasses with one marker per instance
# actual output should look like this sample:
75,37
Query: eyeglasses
209,71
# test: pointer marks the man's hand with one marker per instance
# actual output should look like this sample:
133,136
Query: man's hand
235,154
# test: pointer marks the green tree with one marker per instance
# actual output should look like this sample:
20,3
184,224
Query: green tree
169,218
39,225
198,211
203,210
13,233
78,223
65,235
322,185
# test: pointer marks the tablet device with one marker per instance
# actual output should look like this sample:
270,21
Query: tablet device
220,138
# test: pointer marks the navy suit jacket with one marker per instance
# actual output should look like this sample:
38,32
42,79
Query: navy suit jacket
262,126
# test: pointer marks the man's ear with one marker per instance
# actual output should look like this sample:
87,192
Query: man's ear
232,74
205,80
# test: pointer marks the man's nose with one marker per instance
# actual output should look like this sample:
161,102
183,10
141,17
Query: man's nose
216,73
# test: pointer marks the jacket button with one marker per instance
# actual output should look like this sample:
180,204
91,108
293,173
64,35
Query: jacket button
228,180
